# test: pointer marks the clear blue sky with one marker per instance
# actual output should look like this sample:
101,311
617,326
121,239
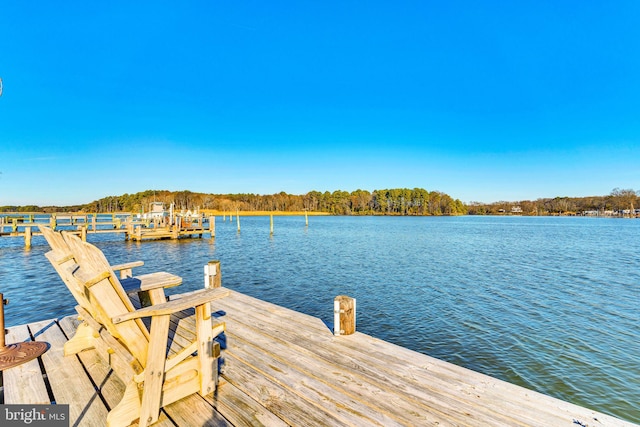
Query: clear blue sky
485,101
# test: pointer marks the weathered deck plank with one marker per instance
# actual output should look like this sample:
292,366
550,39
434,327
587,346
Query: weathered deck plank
195,411
414,376
327,381
282,368
23,383
477,398
240,409
375,389
108,384
69,381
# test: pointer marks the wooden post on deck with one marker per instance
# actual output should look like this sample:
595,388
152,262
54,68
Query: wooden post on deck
52,222
212,274
27,237
83,233
212,226
344,315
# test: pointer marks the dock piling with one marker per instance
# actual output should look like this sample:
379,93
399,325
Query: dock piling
212,274
344,315
212,226
27,237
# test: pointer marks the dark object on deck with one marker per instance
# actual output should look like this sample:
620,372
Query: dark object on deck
15,354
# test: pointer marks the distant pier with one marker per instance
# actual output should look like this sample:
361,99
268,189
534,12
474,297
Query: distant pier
134,227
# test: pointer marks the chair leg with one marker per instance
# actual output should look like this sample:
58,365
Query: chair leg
154,371
215,349
208,363
128,409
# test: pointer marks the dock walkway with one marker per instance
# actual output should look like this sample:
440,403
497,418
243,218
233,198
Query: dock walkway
281,367
157,228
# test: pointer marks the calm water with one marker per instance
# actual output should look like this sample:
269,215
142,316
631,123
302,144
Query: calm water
547,303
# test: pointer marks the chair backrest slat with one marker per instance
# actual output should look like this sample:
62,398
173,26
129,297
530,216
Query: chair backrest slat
63,261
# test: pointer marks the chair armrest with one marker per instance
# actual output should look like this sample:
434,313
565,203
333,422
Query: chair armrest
189,300
148,282
127,265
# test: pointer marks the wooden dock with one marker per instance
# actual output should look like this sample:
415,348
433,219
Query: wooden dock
281,367
174,227
181,229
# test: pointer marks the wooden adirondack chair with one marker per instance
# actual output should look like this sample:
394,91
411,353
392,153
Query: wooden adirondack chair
157,365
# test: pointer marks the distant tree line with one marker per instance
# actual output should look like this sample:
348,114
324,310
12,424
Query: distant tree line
396,201
401,201
619,202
